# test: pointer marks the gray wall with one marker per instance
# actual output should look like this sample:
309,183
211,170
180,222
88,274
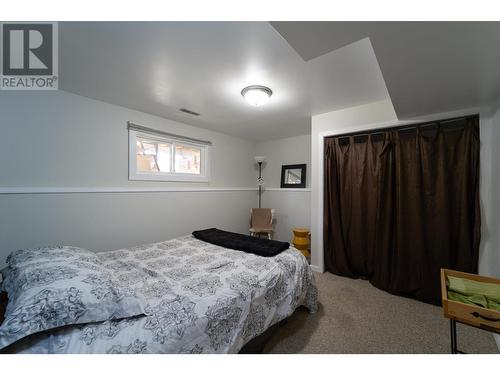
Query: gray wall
58,139
293,207
101,221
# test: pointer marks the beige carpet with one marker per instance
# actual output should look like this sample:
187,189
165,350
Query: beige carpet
356,317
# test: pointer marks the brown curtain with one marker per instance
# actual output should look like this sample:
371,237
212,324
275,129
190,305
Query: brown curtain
402,203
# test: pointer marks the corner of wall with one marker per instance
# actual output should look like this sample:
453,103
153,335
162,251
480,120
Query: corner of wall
372,115
496,336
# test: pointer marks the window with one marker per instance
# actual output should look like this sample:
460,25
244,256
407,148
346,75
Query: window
187,159
159,157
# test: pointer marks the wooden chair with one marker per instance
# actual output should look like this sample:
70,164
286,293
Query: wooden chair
262,222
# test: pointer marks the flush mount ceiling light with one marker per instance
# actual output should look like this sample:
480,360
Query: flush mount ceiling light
256,95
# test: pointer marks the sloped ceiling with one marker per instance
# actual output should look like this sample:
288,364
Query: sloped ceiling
428,67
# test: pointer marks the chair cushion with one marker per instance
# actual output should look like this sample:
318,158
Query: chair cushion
261,230
262,218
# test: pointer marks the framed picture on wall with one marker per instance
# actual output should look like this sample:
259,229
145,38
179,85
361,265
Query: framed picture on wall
293,176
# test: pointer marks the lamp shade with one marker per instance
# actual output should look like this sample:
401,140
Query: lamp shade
256,95
260,159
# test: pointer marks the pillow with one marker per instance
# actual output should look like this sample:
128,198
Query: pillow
23,257
54,287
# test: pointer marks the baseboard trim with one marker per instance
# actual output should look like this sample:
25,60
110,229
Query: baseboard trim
315,268
107,190
496,336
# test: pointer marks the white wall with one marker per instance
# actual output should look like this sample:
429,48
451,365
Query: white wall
343,121
292,150
61,140
293,206
380,115
490,257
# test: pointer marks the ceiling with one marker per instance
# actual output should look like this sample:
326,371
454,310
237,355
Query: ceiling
312,68
160,67
428,67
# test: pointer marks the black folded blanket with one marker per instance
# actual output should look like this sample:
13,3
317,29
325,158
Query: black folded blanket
236,241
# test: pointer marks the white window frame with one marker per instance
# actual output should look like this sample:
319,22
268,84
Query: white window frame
136,175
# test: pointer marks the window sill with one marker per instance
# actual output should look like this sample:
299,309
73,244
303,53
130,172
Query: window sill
168,178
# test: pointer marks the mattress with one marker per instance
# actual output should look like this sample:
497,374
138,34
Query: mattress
202,298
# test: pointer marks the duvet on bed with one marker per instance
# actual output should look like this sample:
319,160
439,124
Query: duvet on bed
201,298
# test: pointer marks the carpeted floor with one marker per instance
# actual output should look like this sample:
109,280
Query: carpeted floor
356,317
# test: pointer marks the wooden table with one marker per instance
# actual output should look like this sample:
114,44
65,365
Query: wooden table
471,315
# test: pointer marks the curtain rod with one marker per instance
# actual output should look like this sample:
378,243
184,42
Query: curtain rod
402,127
132,126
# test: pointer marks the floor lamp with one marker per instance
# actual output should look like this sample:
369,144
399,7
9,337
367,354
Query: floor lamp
259,160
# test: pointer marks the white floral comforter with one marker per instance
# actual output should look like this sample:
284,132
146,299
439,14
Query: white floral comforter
201,298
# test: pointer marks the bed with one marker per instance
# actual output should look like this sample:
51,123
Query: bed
193,297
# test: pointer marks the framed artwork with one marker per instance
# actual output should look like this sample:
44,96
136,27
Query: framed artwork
293,176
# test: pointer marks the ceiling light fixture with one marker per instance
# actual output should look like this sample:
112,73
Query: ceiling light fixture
256,95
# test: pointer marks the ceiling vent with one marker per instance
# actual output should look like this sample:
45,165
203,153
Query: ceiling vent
189,112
